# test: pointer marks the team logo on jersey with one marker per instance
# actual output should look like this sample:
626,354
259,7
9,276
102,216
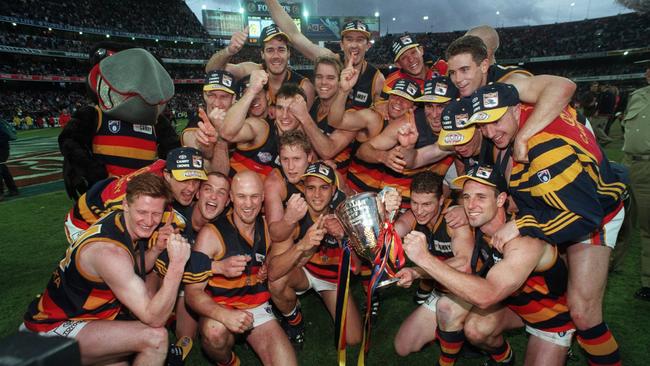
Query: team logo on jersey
147,129
264,156
544,175
491,100
114,126
259,257
361,97
440,89
461,119
197,161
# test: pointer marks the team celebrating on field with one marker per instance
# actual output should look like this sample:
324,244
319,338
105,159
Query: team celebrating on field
506,205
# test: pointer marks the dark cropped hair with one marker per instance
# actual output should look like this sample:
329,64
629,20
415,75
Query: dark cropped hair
468,44
290,90
427,182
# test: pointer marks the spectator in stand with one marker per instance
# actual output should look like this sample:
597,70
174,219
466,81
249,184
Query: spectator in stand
64,118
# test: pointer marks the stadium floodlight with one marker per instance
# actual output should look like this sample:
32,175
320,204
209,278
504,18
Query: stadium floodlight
108,36
175,41
498,12
14,24
204,6
376,14
80,32
49,29
305,13
133,38
192,42
426,17
394,19
241,10
626,53
156,39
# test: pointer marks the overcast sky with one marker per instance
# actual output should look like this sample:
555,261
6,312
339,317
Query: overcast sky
448,15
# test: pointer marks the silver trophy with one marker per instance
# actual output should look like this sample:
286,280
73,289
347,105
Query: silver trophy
361,217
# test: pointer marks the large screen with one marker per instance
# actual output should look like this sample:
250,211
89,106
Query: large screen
222,23
256,23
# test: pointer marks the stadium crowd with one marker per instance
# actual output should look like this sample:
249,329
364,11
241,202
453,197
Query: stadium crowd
173,18
479,176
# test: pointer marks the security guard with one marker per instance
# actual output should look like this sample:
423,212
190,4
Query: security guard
637,158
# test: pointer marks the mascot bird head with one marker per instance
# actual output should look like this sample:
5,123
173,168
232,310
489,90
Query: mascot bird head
130,85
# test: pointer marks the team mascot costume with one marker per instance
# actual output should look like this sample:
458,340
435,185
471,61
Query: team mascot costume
125,129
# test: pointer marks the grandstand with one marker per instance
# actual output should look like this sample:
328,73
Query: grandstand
43,45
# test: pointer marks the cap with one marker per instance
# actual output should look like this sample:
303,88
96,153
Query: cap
490,103
440,89
322,171
356,26
406,88
401,45
271,31
484,174
455,123
219,80
186,163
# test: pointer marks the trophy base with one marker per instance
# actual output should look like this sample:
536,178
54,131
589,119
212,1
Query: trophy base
387,282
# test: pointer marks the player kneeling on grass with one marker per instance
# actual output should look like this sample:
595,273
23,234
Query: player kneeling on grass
525,285
454,246
235,303
310,260
97,279
212,199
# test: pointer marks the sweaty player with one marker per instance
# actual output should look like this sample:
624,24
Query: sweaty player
409,57
568,194
355,42
527,276
310,260
256,138
275,61
103,273
235,302
182,175
452,245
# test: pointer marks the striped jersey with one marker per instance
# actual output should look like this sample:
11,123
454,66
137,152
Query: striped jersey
568,187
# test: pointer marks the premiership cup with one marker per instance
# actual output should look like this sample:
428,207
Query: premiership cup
361,220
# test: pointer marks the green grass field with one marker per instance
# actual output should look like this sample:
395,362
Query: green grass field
32,242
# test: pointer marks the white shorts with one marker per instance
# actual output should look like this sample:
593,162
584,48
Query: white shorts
432,301
608,233
316,283
68,329
562,339
72,231
261,314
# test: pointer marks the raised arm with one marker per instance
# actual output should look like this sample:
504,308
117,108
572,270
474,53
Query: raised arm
298,40
349,77
550,94
104,259
236,127
219,61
